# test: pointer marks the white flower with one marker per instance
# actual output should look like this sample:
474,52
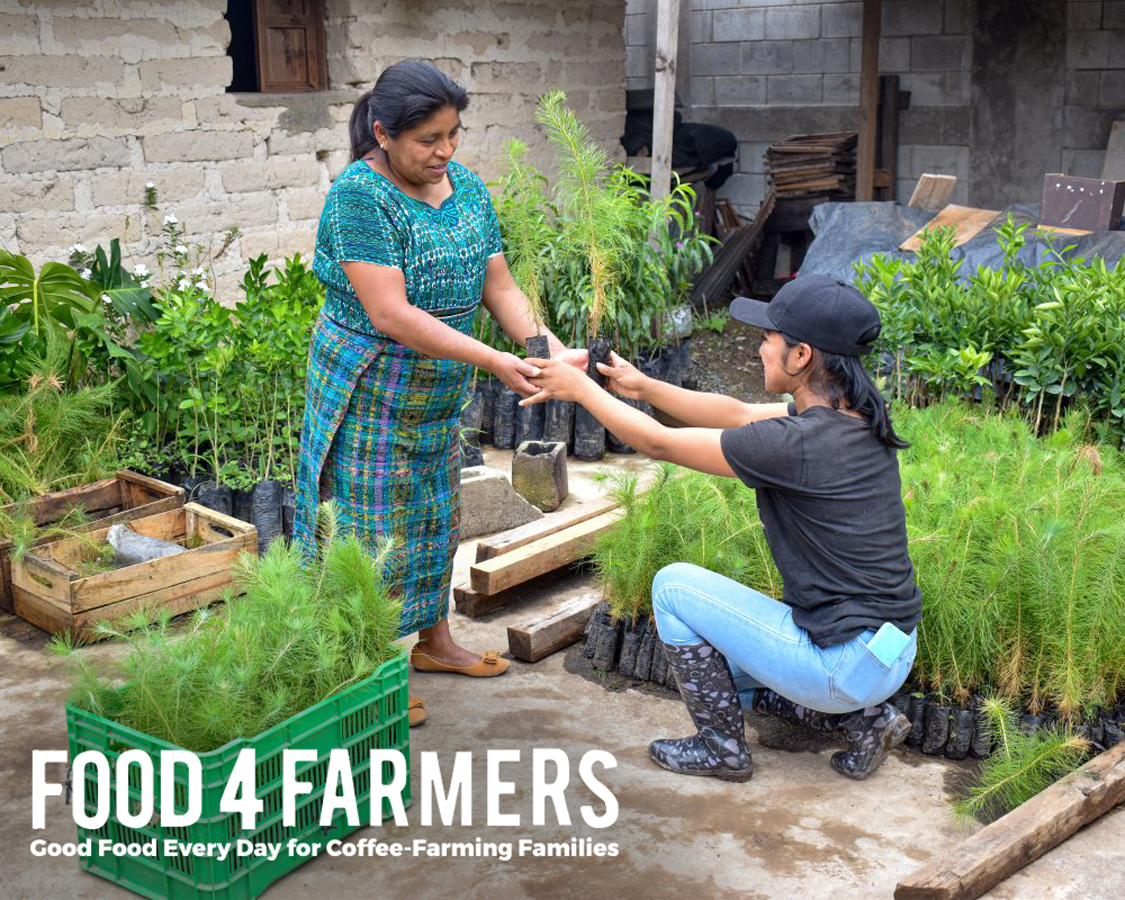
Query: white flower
199,270
141,270
201,284
171,220
77,248
106,299
149,185
180,250
86,273
184,284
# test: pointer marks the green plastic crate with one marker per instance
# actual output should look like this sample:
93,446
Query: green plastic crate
369,715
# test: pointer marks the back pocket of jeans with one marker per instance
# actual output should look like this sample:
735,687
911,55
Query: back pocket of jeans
859,679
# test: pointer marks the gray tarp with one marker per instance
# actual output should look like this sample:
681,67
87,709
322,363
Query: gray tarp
847,232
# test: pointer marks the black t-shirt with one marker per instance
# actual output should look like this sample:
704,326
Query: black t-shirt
830,499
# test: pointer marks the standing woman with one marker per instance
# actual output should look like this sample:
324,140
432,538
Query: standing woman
407,247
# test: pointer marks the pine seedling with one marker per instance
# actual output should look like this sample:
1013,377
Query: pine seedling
594,214
1021,765
522,209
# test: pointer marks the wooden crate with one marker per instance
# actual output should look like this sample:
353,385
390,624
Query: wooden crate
124,497
49,594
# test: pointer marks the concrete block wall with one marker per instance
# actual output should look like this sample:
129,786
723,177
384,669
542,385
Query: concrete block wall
768,68
99,98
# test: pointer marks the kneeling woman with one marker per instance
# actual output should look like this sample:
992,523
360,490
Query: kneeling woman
826,473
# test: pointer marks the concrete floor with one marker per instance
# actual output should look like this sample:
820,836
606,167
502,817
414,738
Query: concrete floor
796,830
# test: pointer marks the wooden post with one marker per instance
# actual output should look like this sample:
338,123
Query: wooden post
868,100
664,94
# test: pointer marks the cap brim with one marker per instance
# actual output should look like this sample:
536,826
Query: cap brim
752,312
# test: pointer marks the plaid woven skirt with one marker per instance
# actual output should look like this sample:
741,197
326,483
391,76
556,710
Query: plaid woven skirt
380,438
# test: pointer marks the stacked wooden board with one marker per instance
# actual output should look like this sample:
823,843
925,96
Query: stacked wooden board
813,165
512,565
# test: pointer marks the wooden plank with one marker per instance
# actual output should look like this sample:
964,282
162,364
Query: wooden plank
475,604
52,507
44,576
967,221
664,95
932,191
488,548
544,555
174,599
1054,229
1026,833
552,630
40,612
868,99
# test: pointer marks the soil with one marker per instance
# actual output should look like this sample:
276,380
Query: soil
728,363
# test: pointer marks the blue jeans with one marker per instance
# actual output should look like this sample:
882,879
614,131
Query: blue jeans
765,649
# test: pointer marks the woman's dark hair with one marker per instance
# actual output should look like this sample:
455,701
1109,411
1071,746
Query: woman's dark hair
406,94
844,379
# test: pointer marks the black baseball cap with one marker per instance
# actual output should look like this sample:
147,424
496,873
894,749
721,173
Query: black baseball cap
822,312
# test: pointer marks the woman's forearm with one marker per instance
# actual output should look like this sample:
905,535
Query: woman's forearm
420,331
695,408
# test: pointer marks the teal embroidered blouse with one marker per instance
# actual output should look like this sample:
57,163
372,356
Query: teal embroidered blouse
442,251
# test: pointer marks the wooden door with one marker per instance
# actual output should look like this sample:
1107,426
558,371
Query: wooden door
291,55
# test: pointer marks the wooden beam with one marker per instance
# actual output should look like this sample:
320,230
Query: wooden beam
488,548
544,555
1023,835
889,105
475,604
552,630
664,95
868,100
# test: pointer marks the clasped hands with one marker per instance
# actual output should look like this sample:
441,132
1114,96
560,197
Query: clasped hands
564,378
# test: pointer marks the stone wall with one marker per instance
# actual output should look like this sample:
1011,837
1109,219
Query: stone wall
100,98
1001,91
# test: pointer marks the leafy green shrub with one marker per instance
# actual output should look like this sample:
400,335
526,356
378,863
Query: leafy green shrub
1039,337
302,632
1018,545
1021,766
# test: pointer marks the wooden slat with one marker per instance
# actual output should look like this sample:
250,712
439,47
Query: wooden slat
544,555
174,599
967,221
52,507
488,548
552,630
40,612
142,489
144,578
43,576
932,191
1023,835
475,604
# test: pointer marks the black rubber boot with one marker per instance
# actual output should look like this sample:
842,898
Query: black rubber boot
871,733
719,747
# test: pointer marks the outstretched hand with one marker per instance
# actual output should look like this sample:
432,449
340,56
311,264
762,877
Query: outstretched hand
624,379
579,358
558,379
